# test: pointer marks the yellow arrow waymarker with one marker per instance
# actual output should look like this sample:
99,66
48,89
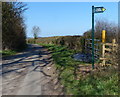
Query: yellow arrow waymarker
103,9
99,9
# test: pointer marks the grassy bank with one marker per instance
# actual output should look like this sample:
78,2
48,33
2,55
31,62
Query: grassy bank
99,82
7,53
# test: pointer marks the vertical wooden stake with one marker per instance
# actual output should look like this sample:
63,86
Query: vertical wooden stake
103,54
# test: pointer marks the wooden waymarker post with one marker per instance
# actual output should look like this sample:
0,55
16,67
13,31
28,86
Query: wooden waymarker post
103,36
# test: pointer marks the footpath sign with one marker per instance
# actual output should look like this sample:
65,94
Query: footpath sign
95,10
99,9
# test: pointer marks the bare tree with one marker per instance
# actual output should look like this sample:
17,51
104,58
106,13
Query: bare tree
110,27
35,31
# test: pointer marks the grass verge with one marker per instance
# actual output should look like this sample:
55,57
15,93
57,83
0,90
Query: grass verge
99,82
7,53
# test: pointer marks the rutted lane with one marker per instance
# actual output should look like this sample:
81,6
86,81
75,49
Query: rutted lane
29,72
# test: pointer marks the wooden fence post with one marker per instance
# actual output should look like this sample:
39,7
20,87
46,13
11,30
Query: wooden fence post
103,53
113,47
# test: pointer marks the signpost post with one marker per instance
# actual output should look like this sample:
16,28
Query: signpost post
95,10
